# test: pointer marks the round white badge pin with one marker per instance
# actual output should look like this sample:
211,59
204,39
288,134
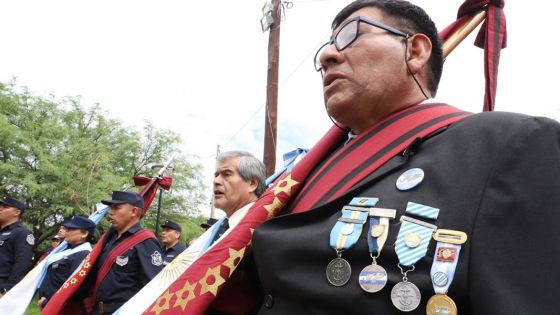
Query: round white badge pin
410,179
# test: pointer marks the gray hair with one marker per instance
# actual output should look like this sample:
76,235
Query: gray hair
249,167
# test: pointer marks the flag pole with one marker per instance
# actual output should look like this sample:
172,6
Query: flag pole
459,35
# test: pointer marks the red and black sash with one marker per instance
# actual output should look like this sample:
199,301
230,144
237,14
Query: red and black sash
118,250
306,186
58,304
371,149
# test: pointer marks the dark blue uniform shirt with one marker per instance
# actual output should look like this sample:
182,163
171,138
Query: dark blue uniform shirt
59,271
132,270
171,253
16,252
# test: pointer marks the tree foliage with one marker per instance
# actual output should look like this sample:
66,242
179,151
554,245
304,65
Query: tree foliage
62,159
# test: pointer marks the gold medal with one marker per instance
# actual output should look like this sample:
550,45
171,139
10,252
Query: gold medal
441,304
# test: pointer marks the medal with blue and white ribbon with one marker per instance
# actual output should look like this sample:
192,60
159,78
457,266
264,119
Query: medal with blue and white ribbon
344,235
411,245
373,278
443,270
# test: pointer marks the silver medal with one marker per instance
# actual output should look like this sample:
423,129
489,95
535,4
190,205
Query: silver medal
405,296
373,278
338,272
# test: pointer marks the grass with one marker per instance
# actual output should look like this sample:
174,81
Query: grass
32,309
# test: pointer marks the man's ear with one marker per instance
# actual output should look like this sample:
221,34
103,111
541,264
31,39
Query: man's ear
419,51
139,213
253,184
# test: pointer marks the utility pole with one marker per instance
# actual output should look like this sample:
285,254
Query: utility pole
271,113
212,209
158,210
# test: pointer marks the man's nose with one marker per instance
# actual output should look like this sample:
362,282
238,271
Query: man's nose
329,56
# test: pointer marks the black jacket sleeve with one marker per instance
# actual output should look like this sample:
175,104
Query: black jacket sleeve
514,244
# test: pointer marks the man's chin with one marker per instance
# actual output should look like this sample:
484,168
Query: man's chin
219,203
336,107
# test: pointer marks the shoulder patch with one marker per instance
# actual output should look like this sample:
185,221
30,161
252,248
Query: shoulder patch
156,259
122,260
30,239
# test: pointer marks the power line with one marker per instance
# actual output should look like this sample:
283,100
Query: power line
300,64
304,1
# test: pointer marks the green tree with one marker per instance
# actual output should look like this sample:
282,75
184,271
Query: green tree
62,159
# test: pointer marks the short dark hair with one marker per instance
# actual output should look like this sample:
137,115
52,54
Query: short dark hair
409,18
90,238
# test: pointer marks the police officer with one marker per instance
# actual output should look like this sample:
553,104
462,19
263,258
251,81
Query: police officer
78,235
16,244
209,222
170,240
135,266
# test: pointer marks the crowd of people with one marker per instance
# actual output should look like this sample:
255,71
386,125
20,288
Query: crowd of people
406,205
134,253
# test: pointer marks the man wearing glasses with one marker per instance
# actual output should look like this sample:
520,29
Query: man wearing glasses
415,206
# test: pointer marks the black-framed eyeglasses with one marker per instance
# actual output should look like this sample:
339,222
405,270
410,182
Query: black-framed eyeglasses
348,33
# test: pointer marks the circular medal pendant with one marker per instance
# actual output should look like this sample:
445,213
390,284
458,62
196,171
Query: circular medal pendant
373,278
405,296
338,272
441,304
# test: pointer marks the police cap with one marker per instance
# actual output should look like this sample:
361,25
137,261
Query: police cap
13,203
208,223
172,225
120,197
80,222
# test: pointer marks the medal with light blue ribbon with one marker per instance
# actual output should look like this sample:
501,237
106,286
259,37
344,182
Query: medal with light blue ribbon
443,270
422,211
373,278
412,244
344,235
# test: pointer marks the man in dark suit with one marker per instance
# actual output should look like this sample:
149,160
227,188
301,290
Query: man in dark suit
460,219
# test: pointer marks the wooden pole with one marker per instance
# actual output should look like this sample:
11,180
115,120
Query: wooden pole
462,33
212,208
271,112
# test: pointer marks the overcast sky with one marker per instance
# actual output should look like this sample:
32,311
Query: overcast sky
199,67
